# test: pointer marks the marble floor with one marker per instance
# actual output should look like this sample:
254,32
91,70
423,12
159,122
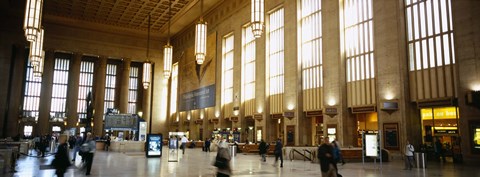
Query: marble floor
195,163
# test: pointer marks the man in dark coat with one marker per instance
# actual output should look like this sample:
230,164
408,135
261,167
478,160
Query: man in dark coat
278,152
262,150
327,162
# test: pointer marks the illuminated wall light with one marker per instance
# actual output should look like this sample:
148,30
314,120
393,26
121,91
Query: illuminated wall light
188,116
140,113
260,110
291,106
331,102
476,87
389,96
202,115
217,114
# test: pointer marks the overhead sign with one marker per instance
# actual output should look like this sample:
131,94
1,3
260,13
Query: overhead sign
198,99
121,122
440,113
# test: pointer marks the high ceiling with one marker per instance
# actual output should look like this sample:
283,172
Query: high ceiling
124,13
132,14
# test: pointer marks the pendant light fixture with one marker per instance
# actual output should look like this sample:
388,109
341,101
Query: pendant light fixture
147,66
36,48
38,70
33,19
168,49
201,38
258,8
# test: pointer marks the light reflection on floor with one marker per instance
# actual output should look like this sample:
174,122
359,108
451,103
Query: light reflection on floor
195,163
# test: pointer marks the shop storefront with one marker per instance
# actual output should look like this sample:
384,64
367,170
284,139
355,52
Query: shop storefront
366,122
441,124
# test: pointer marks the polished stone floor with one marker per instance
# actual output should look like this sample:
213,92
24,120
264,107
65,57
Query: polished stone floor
195,163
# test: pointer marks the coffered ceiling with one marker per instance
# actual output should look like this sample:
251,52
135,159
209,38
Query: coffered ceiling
131,14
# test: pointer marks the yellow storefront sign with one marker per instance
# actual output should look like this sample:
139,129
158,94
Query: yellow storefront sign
440,113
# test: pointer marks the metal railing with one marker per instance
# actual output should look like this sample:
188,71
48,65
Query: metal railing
305,157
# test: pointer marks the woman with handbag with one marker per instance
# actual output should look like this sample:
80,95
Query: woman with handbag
222,161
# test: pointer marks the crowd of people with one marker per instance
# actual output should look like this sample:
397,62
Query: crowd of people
61,146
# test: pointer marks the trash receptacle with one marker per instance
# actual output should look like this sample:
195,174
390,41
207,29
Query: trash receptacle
232,150
420,159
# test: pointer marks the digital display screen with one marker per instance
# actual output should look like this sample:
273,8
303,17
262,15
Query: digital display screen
154,145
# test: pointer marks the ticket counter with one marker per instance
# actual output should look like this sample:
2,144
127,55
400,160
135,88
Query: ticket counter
127,146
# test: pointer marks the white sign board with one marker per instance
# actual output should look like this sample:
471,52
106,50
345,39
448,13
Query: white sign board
143,131
371,145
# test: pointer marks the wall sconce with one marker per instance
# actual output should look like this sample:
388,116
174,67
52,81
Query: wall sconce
331,102
389,96
291,106
331,111
260,110
140,113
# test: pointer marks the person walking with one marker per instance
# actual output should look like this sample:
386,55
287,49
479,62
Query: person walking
337,152
278,152
88,149
77,145
61,162
327,162
107,142
207,145
409,149
262,149
184,143
439,151
222,160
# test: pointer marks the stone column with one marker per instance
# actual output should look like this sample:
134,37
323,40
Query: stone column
261,88
292,76
99,95
466,25
16,80
46,94
334,80
72,97
391,61
123,104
